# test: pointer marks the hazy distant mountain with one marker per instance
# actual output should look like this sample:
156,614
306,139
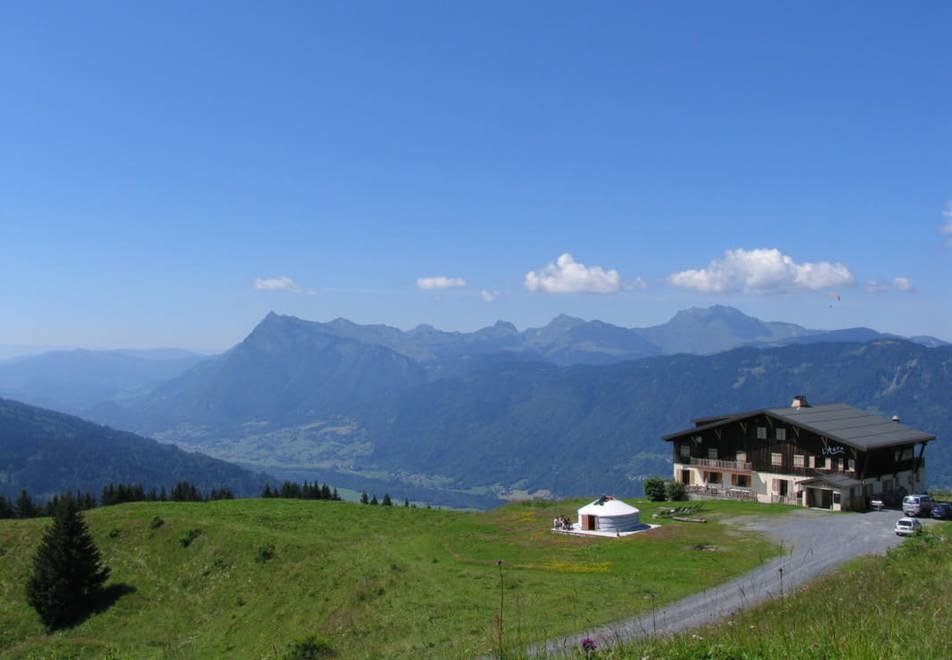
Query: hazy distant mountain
287,371
75,380
717,328
47,452
568,340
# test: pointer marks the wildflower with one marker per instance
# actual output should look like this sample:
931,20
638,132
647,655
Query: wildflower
589,646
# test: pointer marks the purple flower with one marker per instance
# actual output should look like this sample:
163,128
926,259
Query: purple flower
589,645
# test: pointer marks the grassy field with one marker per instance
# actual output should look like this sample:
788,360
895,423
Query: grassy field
374,581
897,606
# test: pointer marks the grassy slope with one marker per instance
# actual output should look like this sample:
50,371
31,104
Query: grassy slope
897,606
376,581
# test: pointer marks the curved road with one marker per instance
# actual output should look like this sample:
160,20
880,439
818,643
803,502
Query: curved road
813,542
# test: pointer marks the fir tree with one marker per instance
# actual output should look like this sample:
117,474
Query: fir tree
267,491
364,499
386,500
68,573
406,502
373,500
6,508
25,506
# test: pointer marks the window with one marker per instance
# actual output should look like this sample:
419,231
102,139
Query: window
712,452
781,434
741,457
740,480
782,487
713,477
821,462
851,465
761,432
776,458
811,461
685,451
798,460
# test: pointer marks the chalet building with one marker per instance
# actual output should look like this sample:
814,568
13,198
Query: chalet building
831,456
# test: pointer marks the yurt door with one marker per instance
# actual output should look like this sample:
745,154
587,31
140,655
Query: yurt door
589,522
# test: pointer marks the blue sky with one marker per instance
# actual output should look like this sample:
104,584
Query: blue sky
170,172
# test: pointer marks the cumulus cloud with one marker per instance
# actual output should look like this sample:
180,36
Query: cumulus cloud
761,270
276,284
946,227
440,282
895,284
566,275
488,296
637,283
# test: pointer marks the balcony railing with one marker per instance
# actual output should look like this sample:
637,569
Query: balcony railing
720,491
718,464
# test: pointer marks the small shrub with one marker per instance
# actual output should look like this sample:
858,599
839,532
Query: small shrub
311,647
654,489
114,533
189,536
265,553
675,491
156,523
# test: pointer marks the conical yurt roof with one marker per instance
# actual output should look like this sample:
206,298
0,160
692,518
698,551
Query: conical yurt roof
607,506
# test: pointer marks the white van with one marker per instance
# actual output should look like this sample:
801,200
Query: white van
916,505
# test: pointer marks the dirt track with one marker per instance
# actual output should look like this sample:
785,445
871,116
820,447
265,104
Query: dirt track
813,542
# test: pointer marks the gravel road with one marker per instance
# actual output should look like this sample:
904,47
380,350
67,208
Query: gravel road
813,542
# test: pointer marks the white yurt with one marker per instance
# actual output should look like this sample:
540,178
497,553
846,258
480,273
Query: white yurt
606,514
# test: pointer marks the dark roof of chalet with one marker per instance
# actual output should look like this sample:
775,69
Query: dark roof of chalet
836,421
834,480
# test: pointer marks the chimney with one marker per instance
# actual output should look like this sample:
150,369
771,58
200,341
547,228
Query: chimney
799,401
896,419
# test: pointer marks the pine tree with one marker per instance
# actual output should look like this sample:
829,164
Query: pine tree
386,500
68,573
25,506
406,502
364,499
6,508
373,500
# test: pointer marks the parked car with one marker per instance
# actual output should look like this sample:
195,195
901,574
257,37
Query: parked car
908,527
916,505
942,510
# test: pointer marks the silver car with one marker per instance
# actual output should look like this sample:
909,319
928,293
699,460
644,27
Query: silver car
908,527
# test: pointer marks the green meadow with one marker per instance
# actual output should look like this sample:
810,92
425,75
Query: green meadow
373,581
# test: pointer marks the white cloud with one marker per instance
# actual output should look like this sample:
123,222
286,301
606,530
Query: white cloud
895,284
946,227
276,284
761,270
566,275
488,296
637,283
440,282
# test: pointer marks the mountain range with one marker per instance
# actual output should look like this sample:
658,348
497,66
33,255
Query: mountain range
466,418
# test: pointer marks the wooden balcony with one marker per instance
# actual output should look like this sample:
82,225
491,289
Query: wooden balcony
718,464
